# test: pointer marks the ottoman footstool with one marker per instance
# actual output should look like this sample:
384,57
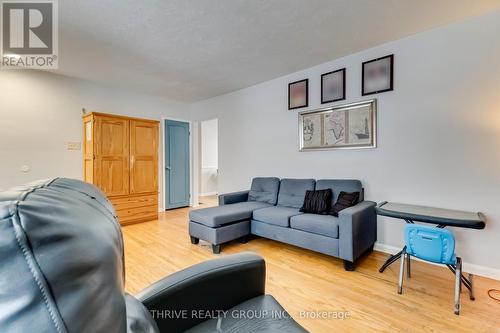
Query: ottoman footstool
222,224
219,235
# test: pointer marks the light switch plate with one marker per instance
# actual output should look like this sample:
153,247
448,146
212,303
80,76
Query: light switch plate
74,145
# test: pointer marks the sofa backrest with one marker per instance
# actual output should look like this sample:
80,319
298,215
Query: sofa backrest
264,189
293,191
339,185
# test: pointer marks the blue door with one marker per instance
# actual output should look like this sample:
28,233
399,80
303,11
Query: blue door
177,189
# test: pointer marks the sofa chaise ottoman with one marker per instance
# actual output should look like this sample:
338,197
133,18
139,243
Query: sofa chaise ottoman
231,219
271,209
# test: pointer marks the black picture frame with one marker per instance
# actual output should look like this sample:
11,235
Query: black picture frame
307,94
323,100
390,88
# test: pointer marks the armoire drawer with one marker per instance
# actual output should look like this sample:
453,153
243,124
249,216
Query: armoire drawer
129,202
136,208
137,212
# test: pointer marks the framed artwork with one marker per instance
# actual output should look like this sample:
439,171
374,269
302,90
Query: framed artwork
298,94
378,75
340,127
333,86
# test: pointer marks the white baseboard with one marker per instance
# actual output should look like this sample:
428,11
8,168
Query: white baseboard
386,248
207,194
492,273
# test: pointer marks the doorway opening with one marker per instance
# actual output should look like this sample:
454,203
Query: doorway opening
209,166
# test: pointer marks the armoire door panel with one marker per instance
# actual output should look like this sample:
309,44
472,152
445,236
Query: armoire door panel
88,150
88,170
112,155
114,176
114,137
143,157
145,139
144,179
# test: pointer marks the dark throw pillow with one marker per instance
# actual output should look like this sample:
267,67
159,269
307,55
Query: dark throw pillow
317,202
345,200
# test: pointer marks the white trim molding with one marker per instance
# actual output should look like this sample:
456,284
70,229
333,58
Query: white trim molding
208,194
489,272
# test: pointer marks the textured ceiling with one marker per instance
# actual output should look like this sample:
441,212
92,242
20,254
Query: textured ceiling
195,49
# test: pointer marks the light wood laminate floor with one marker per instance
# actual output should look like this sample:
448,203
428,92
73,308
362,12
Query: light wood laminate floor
305,281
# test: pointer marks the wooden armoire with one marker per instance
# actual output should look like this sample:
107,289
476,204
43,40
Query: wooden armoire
120,156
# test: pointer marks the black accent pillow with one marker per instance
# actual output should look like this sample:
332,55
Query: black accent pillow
317,202
345,200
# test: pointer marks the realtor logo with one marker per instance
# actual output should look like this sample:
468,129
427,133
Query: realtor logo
29,34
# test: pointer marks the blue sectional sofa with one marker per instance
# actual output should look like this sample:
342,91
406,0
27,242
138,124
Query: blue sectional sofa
270,209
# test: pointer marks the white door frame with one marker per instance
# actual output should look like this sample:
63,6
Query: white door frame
191,180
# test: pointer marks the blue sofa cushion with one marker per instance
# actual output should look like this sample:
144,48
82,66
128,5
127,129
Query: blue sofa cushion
325,225
218,216
293,191
264,189
339,185
277,215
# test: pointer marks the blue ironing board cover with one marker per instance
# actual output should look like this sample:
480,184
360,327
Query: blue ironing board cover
441,216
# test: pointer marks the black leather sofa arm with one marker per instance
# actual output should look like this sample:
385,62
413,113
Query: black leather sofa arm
193,295
234,197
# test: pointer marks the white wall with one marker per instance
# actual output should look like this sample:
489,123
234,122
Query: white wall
41,112
209,157
438,131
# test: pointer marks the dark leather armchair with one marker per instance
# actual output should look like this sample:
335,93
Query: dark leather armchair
61,259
